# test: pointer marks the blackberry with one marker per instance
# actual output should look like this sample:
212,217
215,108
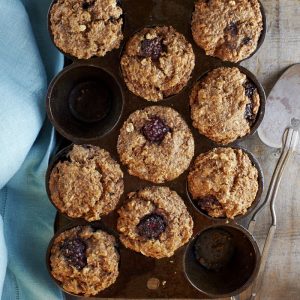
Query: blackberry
232,28
151,226
155,130
152,48
74,251
208,202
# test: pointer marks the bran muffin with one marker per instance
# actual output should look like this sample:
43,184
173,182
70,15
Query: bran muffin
224,105
223,182
85,261
229,30
157,63
155,222
86,28
156,144
87,185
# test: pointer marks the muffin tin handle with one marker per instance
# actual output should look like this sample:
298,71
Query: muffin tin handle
290,139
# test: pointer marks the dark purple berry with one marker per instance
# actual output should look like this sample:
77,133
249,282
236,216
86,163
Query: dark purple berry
232,28
155,130
250,88
152,226
152,48
208,203
74,252
246,40
249,115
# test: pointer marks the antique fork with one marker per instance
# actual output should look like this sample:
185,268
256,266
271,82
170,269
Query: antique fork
290,142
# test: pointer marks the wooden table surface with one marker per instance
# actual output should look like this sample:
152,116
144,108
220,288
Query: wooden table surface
280,50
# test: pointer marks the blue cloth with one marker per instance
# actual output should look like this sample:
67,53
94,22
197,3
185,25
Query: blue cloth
28,61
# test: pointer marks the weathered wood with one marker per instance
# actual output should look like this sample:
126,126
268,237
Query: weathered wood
280,50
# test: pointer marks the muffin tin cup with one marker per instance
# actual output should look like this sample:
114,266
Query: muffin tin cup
135,269
69,106
232,279
251,209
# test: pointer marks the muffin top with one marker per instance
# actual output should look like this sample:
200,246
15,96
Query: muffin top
223,182
87,185
157,63
227,29
224,105
84,260
156,144
86,28
155,222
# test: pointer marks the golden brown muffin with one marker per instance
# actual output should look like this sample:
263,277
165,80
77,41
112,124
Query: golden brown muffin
86,28
88,185
155,222
157,63
156,144
85,261
224,105
223,182
228,29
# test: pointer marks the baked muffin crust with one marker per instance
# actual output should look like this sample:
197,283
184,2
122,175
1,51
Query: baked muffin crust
224,105
101,260
88,185
157,63
227,29
156,158
224,182
167,205
86,28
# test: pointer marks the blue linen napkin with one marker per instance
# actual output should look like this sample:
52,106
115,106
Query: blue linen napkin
28,61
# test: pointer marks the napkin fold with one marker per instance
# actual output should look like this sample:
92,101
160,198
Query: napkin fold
28,61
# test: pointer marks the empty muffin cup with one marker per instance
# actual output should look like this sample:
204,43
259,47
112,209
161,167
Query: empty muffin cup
222,260
213,201
84,102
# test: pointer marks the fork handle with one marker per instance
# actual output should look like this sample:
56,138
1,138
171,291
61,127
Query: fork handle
264,258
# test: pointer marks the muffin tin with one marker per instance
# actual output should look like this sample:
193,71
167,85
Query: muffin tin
140,276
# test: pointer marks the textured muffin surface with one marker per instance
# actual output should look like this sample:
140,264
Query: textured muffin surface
157,63
155,222
156,144
227,29
223,182
86,28
88,185
96,250
224,105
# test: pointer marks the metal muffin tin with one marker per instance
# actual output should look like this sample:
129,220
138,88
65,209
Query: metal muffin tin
170,275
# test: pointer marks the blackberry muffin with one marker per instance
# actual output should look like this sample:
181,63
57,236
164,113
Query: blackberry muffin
223,182
87,185
155,222
157,63
85,261
86,28
224,105
229,30
156,144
